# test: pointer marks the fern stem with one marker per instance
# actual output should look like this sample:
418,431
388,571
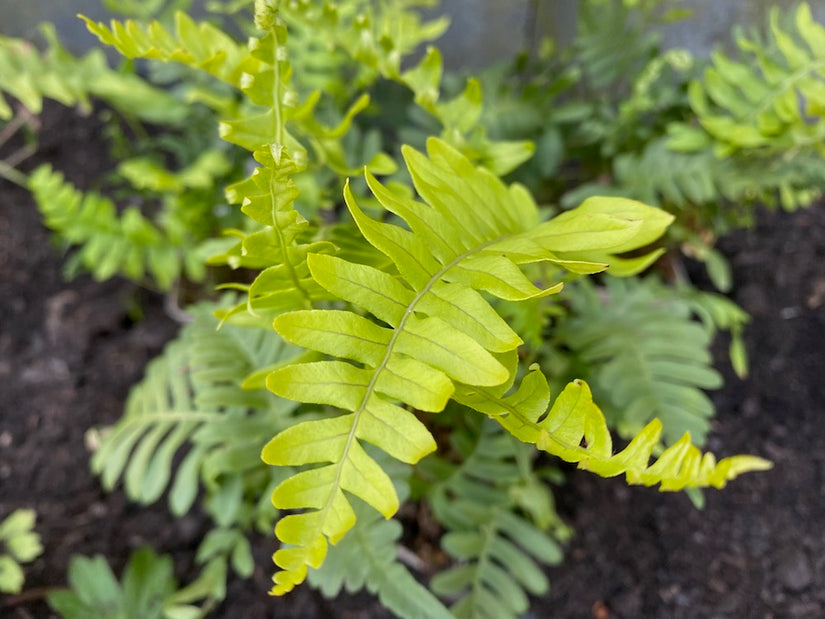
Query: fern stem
276,89
296,281
13,175
489,532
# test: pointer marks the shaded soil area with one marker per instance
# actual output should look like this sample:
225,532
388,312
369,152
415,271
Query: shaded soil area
70,350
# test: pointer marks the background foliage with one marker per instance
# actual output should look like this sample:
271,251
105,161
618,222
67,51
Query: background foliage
386,305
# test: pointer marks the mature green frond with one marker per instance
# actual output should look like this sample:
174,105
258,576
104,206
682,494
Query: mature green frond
574,429
470,234
498,550
110,242
366,558
30,76
773,100
645,355
193,396
147,589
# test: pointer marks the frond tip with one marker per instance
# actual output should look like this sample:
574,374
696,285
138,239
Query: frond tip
574,429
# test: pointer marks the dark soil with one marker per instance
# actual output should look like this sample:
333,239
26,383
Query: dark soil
70,350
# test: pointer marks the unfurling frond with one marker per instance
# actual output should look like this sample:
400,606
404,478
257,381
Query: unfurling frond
431,329
574,429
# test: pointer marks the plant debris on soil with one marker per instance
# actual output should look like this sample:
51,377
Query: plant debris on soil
70,351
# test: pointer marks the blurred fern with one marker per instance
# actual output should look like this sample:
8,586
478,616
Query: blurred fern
772,100
30,76
645,356
499,550
108,242
367,558
19,544
193,396
147,590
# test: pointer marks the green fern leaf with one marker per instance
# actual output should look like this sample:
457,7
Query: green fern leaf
108,242
366,558
30,76
773,101
267,197
192,395
471,234
498,550
648,357
202,46
574,430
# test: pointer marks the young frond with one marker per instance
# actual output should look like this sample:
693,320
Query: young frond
471,233
277,247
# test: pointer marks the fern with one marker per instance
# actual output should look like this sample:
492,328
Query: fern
612,42
471,236
646,358
147,589
18,544
201,46
770,103
574,430
30,76
497,548
109,243
397,319
366,558
193,395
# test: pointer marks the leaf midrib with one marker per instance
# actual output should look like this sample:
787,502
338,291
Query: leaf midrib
371,386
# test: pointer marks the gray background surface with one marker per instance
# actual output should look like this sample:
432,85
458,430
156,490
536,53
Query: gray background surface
481,31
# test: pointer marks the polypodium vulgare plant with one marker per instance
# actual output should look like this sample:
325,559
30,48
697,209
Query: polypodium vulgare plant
394,336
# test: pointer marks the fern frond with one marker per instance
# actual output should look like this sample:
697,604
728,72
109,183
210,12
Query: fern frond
612,42
470,235
498,549
198,45
574,430
31,76
360,37
267,197
366,558
193,396
647,356
774,100
109,242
